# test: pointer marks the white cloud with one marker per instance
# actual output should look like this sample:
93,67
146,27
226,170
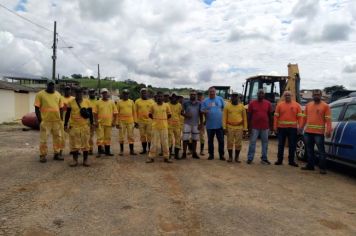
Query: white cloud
184,43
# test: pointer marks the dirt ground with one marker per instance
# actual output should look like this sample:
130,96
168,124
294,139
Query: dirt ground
126,196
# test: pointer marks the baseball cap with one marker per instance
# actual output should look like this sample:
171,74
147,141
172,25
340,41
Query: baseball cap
50,81
104,90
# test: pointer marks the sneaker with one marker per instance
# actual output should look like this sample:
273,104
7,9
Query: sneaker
249,162
278,163
265,162
307,168
293,164
322,171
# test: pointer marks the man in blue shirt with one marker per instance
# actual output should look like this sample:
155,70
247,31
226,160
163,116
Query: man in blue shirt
212,107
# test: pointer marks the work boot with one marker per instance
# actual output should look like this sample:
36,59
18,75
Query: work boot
56,157
166,160
230,155
132,152
222,158
202,149
184,156
74,163
107,151
170,152
150,160
100,150
195,155
144,148
237,156
176,153
190,148
85,159
43,159
121,149
60,152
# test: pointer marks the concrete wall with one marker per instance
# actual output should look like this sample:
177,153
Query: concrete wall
7,104
15,105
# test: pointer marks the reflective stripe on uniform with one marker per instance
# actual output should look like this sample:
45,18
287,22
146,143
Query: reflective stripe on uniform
316,126
284,122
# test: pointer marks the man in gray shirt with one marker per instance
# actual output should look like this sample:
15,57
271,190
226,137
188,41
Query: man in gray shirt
192,124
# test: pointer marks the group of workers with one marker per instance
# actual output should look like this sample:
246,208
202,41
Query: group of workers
167,121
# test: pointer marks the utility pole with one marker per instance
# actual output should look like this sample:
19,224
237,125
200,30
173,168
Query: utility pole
54,56
98,79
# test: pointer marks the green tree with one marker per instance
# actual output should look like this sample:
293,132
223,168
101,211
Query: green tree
334,88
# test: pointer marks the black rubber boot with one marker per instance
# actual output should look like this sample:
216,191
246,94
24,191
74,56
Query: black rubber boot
237,156
75,159
201,149
107,151
132,152
144,148
230,155
85,159
121,149
100,151
176,153
57,157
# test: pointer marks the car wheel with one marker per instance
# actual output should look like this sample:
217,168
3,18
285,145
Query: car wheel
300,151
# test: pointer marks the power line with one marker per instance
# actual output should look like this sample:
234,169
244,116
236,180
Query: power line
26,19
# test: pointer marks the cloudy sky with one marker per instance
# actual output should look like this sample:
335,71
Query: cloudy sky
184,43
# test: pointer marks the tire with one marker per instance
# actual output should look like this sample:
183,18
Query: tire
300,151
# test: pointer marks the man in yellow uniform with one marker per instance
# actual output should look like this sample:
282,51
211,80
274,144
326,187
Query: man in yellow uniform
79,112
159,113
92,103
126,121
48,108
174,123
143,106
105,114
67,98
234,124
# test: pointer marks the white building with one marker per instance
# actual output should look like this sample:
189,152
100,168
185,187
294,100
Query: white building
15,101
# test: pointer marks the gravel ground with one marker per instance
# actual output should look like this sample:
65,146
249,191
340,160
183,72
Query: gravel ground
126,196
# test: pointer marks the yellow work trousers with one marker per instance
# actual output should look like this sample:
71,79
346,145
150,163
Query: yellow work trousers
234,137
126,129
47,128
175,136
80,138
202,135
64,137
91,138
159,139
145,132
103,134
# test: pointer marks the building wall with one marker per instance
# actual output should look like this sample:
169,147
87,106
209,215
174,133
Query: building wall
7,104
15,105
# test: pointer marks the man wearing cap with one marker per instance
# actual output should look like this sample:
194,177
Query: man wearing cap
166,98
192,124
143,106
92,103
105,114
159,113
81,117
174,124
66,98
126,121
48,108
234,124
202,130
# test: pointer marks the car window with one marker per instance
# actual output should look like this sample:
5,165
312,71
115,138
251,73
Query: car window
350,113
335,112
